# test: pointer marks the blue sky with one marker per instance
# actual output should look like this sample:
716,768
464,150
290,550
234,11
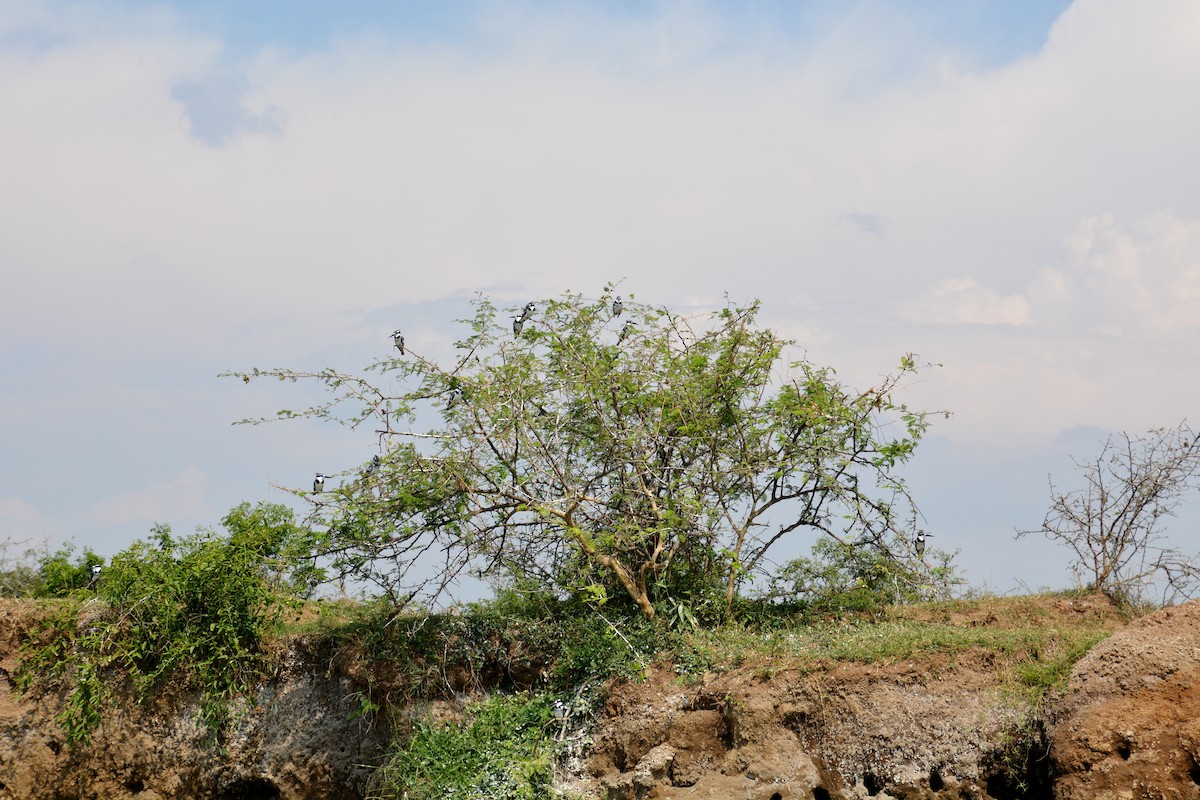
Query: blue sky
1008,189
990,30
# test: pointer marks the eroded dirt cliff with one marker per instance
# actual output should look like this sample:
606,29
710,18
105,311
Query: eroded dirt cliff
300,737
936,725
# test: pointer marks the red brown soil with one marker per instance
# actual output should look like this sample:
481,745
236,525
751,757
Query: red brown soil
1129,726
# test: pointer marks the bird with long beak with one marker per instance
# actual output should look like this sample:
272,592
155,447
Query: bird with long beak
319,483
398,340
527,312
920,543
617,307
518,323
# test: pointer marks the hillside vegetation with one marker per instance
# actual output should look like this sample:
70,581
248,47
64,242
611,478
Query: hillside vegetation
522,683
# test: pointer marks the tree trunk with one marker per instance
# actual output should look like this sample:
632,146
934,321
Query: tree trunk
638,593
632,587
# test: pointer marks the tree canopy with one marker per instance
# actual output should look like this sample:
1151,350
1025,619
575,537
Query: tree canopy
608,449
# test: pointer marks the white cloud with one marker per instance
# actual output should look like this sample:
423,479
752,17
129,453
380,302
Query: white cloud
966,300
1107,327
23,523
409,173
1137,278
184,495
563,150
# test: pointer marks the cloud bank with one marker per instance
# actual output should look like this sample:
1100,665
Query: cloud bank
174,205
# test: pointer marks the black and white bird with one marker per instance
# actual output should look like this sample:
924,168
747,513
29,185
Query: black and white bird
527,312
319,483
375,462
398,339
454,399
920,543
560,709
617,306
96,569
518,323
626,329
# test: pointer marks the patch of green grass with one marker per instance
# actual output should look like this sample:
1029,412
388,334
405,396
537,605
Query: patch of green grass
1024,646
1049,667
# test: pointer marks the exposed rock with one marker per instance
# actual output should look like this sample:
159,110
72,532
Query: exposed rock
852,731
1129,726
651,770
299,741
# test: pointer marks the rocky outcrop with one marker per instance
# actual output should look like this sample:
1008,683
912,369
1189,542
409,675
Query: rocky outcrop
1129,725
911,730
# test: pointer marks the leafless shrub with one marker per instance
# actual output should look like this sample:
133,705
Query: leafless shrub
1114,524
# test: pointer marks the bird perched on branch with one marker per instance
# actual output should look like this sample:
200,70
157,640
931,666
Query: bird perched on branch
455,398
398,339
626,329
527,312
617,307
920,543
96,569
375,462
518,323
319,483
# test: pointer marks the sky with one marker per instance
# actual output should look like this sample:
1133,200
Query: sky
1009,189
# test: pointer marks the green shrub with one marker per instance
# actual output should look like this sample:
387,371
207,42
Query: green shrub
193,610
59,576
594,647
503,750
18,575
511,643
861,579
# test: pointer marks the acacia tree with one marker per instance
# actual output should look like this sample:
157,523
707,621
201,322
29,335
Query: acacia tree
1114,523
648,453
